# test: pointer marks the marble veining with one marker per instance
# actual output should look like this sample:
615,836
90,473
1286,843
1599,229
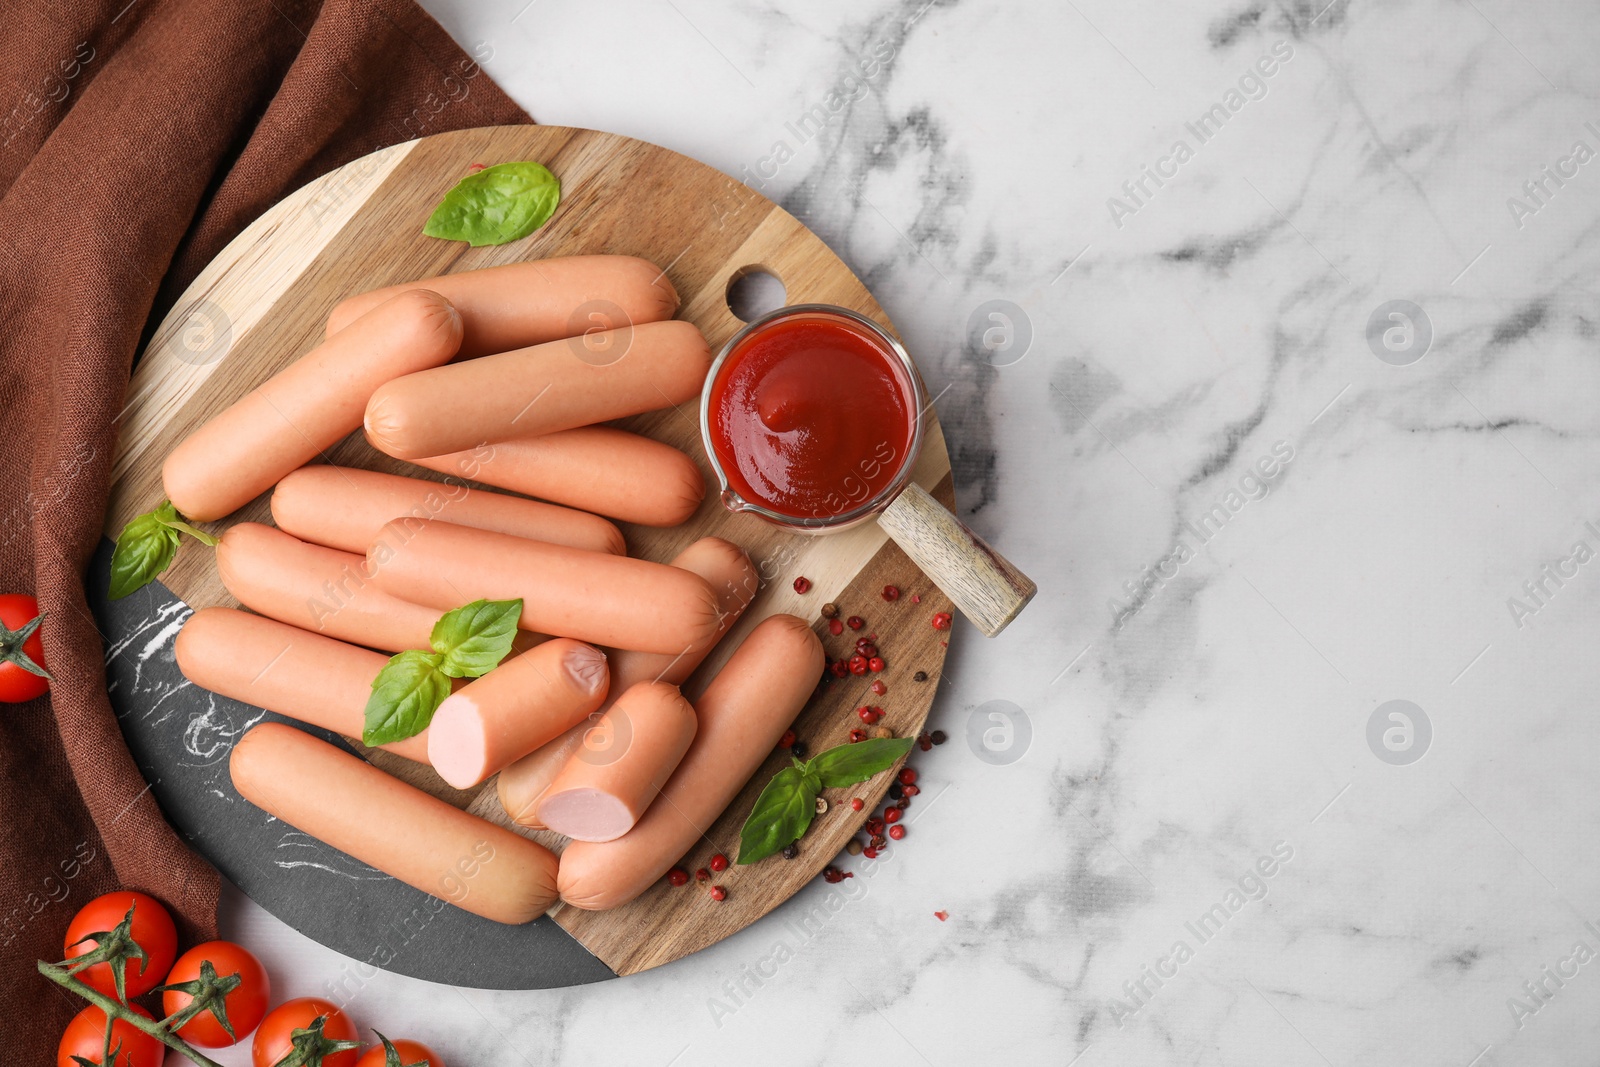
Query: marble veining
1180,820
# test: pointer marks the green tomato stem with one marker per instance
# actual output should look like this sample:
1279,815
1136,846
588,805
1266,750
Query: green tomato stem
157,1030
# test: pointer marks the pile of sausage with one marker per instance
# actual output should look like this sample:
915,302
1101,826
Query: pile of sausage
489,375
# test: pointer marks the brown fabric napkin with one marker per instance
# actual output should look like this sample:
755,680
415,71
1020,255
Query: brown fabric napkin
140,138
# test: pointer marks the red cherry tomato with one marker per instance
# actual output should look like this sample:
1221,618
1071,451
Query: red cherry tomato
17,683
410,1052
86,1033
273,1042
152,929
245,1006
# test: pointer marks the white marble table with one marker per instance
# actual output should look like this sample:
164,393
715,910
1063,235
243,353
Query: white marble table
1252,526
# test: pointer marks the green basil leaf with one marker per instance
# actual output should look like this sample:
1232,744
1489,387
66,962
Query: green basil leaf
502,203
144,549
846,765
781,815
475,638
405,694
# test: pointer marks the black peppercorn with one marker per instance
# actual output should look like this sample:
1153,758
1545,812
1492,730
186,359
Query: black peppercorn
791,852
920,676
939,737
798,750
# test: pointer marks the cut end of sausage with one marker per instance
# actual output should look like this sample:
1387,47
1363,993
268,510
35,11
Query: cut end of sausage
587,667
458,748
585,814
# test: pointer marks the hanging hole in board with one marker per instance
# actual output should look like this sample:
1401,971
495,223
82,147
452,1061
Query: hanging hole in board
753,292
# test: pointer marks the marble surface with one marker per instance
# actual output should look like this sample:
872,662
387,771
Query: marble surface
1259,509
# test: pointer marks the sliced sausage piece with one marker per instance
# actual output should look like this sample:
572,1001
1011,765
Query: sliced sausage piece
521,704
596,468
285,669
397,828
743,712
319,589
304,409
522,304
605,600
729,571
602,791
344,507
559,385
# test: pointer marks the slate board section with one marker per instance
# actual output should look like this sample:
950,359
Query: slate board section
181,736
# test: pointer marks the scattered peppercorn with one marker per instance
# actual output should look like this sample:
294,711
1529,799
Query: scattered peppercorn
853,847
941,620
787,739
916,598
866,648
856,803
939,737
702,875
835,627
896,790
830,610
858,664
875,664
791,852
878,841
831,873
476,167
802,585
857,736
798,750
920,676
718,893
891,815
891,592
911,790
678,876
903,803
897,832
821,806
874,825
870,852
867,714
907,776
855,622
925,743
879,688
882,731
719,862
839,668
941,915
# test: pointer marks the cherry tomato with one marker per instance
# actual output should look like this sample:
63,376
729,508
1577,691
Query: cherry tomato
17,683
85,1036
410,1052
245,1006
273,1042
152,929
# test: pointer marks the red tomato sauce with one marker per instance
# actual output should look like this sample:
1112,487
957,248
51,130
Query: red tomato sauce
811,416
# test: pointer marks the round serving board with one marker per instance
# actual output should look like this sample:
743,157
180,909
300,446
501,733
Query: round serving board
263,303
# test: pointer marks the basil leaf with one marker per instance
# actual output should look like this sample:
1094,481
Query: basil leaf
502,203
475,638
846,765
781,815
144,549
405,694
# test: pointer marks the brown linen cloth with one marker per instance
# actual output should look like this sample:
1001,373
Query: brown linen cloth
140,138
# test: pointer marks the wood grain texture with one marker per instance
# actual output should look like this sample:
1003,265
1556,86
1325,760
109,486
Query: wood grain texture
268,296
986,587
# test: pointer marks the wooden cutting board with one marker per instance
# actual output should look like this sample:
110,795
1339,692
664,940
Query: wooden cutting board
263,303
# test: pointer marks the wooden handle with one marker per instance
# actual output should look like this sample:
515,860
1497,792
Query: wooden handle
985,586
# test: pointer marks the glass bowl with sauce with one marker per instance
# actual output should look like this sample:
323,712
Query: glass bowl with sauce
812,418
